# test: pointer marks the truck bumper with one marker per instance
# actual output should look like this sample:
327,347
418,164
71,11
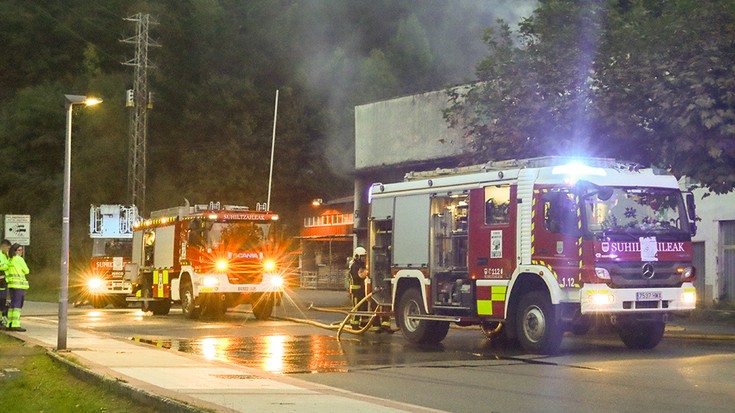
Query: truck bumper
600,298
218,283
111,287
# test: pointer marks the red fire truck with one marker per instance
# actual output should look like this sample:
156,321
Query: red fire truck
208,258
111,230
533,248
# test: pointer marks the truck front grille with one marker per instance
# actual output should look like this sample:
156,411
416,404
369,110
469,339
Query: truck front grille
245,277
630,275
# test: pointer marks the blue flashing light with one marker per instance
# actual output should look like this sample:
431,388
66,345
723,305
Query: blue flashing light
576,169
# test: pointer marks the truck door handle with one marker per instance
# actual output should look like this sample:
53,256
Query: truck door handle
482,261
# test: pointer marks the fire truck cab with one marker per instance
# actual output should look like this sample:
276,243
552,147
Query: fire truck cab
208,258
533,248
111,230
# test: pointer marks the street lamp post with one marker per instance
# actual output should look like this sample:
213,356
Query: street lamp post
71,100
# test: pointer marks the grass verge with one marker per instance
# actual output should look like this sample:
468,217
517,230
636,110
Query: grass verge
45,386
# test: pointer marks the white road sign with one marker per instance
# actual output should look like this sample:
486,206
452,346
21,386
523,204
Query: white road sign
18,229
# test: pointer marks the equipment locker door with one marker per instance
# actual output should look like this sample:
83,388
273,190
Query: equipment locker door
492,232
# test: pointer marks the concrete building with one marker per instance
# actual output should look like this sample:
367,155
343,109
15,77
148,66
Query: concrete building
399,135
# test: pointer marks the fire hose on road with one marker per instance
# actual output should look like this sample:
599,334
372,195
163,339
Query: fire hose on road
342,325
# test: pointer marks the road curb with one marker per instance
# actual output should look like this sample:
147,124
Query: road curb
711,337
161,403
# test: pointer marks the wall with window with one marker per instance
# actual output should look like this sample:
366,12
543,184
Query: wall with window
715,246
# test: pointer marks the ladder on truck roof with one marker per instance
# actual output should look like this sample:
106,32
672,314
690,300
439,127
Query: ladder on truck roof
112,221
187,210
539,162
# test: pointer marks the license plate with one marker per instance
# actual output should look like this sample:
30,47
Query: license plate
648,296
246,289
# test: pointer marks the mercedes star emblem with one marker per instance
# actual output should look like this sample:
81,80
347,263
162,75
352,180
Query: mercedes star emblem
647,271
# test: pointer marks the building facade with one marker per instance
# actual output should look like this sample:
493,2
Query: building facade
326,240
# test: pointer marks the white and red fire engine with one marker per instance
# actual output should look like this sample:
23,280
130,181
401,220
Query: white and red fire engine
536,247
111,230
208,258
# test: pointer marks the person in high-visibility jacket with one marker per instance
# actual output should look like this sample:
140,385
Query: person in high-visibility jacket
17,286
4,264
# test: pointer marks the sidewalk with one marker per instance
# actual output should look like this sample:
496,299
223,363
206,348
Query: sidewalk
185,382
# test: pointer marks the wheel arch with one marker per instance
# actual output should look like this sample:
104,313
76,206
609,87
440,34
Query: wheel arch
406,279
176,284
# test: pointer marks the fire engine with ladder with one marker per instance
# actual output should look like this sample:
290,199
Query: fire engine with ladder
207,258
111,230
532,248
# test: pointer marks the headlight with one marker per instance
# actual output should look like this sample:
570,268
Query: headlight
210,281
269,265
602,273
276,281
95,284
689,297
686,272
221,265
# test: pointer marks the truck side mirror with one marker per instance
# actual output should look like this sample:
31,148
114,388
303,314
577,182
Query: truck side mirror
691,213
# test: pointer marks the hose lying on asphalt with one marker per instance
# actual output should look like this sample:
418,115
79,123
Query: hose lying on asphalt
327,310
334,326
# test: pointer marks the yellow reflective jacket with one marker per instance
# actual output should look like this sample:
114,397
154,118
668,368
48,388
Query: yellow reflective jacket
4,264
16,273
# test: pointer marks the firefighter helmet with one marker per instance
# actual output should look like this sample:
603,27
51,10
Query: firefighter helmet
360,251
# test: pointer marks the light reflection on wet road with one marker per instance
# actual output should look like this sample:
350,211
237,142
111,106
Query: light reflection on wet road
285,354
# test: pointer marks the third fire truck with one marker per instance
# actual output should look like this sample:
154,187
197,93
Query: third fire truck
111,230
534,248
208,258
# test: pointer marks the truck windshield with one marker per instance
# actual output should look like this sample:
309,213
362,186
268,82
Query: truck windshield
112,247
636,210
236,236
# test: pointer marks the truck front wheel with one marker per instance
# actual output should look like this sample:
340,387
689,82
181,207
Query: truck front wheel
537,329
641,335
418,331
263,307
99,301
188,304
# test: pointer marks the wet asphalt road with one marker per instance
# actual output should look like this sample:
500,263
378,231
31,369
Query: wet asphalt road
465,373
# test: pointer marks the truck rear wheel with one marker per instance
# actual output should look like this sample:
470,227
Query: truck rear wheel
641,335
418,331
157,307
263,307
188,303
161,307
537,329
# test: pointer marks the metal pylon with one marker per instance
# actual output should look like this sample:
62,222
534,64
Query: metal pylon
139,100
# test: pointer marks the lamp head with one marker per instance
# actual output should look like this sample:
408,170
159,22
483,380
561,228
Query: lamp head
81,100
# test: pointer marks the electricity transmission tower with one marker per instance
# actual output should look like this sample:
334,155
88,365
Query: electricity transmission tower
139,100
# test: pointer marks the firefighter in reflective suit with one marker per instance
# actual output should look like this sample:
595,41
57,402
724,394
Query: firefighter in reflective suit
358,273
